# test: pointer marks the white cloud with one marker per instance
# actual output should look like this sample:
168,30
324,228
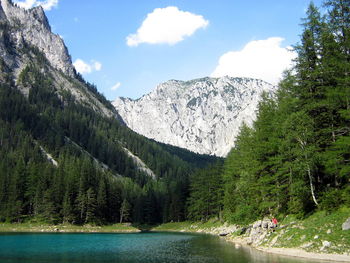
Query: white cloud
85,68
96,65
116,86
167,26
47,4
261,59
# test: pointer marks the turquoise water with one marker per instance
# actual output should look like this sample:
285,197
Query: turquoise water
126,248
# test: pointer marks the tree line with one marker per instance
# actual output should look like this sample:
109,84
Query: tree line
293,160
94,179
296,157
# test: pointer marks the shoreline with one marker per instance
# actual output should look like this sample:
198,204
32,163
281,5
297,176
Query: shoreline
292,252
125,228
66,228
281,251
299,253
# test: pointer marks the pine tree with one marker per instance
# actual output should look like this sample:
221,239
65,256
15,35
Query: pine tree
125,211
81,201
206,194
300,137
102,199
48,208
91,205
16,191
68,208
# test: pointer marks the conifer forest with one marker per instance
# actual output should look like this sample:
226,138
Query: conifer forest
63,162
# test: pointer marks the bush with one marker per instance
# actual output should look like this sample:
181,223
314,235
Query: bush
243,215
331,200
346,196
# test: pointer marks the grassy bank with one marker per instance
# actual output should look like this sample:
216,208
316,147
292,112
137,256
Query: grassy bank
38,227
188,226
320,233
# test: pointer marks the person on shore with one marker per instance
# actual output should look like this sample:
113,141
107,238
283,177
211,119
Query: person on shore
274,222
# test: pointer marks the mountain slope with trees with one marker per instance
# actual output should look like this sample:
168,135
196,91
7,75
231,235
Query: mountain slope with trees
64,155
296,157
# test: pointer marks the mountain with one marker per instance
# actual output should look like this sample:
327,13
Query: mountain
65,154
25,36
34,28
202,115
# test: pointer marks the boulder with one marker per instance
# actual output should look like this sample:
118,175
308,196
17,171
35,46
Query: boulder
249,241
257,224
243,230
306,245
346,224
271,225
325,245
265,224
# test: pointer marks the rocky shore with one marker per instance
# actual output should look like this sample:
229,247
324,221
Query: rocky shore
294,239
263,236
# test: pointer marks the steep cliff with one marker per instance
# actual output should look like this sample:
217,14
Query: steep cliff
202,115
26,42
33,27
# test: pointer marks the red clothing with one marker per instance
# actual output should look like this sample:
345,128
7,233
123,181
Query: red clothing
274,221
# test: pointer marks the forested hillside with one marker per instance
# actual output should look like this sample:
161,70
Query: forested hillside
87,181
65,156
296,157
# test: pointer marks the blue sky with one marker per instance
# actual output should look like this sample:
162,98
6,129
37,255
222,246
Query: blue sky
128,47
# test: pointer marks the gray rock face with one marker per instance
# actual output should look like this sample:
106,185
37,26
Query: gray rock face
25,38
202,115
346,224
25,32
2,14
34,28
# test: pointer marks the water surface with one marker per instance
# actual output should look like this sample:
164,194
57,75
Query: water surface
127,248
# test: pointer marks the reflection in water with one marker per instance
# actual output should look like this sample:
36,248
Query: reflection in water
254,255
128,248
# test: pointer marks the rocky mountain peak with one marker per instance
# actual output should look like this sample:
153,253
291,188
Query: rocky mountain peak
32,26
25,41
2,13
203,115
17,14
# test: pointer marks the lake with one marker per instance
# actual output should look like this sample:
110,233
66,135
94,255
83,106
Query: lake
127,248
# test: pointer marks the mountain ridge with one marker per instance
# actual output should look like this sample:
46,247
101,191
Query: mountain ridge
35,29
28,48
202,115
26,41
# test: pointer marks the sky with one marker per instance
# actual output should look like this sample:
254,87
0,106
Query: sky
127,47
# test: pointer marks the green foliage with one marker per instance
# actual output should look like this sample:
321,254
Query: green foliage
331,200
95,176
322,225
125,211
295,159
36,226
206,194
243,214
